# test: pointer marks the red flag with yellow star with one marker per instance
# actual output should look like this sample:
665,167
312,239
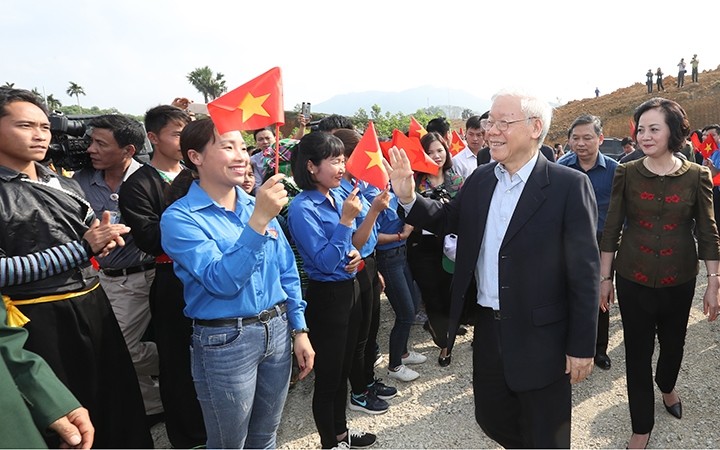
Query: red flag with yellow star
457,144
419,160
256,104
416,130
708,146
365,163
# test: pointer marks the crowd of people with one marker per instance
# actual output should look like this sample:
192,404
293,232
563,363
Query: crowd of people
196,287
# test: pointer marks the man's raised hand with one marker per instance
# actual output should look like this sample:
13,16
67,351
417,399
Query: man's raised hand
401,174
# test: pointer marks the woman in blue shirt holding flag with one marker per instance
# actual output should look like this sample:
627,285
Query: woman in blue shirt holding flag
241,289
322,225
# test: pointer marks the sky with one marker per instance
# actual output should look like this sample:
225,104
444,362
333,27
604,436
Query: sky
133,55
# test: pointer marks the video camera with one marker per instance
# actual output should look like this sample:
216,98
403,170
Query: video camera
70,141
438,193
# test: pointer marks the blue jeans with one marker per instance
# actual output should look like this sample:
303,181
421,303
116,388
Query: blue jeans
403,298
241,376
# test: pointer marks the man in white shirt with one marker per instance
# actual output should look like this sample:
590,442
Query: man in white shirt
465,162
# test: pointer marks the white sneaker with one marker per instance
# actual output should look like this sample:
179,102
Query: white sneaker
403,374
414,358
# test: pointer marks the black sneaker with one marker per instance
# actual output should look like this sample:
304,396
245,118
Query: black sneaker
368,403
381,390
357,439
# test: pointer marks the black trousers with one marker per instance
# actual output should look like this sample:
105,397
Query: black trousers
538,418
425,259
81,341
362,372
603,332
333,316
646,312
183,416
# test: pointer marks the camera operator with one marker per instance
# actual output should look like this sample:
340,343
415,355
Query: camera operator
126,273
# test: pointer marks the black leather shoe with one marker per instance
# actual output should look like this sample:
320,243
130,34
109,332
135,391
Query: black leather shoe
444,361
603,361
675,410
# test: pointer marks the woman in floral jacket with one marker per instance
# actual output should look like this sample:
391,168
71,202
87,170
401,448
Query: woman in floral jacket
659,204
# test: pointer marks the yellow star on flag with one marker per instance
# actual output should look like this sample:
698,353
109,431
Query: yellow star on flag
708,147
252,105
422,132
374,160
456,147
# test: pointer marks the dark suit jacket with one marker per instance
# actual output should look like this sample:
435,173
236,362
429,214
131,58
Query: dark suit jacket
483,156
549,267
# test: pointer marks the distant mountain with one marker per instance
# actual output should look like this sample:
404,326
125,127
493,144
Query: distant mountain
407,102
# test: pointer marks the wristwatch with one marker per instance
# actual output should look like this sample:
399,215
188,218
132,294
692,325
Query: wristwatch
297,331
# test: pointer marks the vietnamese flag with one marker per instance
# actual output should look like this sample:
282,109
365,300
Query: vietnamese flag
416,130
365,163
385,148
419,160
457,144
256,104
708,146
697,145
632,128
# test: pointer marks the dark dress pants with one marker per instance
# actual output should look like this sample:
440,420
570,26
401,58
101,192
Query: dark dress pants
183,416
646,311
333,316
362,373
538,418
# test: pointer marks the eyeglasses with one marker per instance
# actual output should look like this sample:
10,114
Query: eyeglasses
501,125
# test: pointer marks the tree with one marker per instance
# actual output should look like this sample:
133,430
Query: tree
75,90
466,113
9,85
210,85
53,103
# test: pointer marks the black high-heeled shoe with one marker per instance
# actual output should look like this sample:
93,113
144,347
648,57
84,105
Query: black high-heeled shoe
674,410
646,442
445,361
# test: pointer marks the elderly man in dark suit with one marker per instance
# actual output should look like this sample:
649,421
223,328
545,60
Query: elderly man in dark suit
527,255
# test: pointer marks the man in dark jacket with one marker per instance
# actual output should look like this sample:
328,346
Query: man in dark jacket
534,333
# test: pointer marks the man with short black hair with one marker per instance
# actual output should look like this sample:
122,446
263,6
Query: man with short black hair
466,161
126,273
585,136
71,324
628,145
142,202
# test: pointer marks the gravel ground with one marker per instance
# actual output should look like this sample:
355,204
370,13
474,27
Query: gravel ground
436,410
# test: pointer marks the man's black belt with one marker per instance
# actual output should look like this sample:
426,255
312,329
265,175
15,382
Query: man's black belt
496,315
129,270
263,317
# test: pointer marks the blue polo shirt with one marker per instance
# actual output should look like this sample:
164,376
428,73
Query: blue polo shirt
227,269
601,177
322,241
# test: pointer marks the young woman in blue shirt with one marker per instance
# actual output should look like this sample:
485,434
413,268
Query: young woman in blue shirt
241,288
322,225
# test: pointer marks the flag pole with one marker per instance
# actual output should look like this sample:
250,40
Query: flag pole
277,148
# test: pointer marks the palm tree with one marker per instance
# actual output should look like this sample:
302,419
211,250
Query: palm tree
53,103
209,85
75,90
9,85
